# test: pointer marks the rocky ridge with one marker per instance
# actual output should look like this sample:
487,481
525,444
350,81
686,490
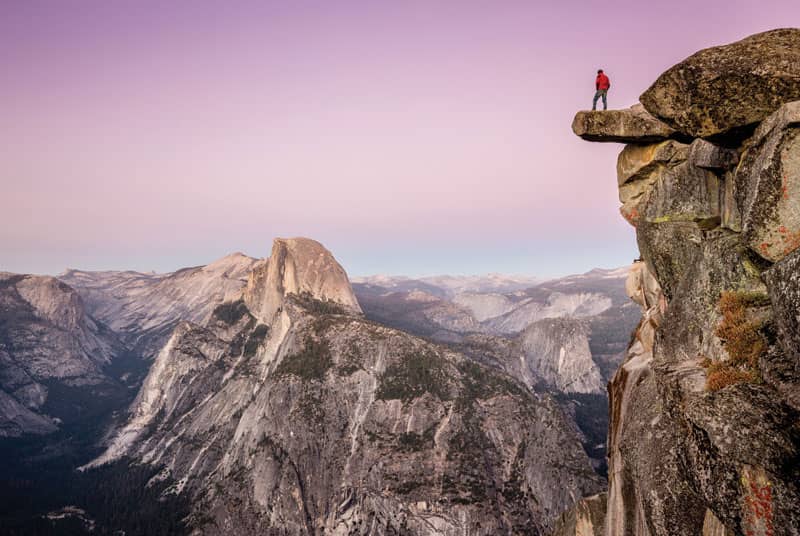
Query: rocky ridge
289,413
47,340
595,300
143,308
704,435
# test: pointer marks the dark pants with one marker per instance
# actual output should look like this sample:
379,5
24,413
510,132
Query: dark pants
600,93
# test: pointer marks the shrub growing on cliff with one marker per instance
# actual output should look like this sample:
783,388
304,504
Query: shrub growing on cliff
415,374
310,363
315,306
725,376
255,339
741,337
231,312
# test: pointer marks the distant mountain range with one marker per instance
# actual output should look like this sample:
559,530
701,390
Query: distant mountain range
265,394
565,336
452,284
452,309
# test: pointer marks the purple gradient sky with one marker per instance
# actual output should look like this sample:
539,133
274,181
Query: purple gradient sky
408,137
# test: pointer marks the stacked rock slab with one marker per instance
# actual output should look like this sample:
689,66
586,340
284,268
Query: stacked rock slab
716,207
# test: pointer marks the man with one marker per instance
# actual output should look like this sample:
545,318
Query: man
601,84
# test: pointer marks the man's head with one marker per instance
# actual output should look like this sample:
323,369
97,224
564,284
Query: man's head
599,71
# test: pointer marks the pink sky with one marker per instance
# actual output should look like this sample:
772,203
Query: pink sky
408,137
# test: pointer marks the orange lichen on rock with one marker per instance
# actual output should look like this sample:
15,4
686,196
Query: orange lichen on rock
742,339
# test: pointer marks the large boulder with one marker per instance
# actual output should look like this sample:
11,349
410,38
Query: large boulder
633,125
720,89
768,185
673,191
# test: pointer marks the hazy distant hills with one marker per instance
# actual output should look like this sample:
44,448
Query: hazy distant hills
566,335
451,285
454,308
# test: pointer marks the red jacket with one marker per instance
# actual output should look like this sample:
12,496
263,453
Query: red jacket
602,81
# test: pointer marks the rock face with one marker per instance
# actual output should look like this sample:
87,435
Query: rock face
289,413
297,266
583,324
586,519
557,352
634,125
767,185
144,308
783,369
704,435
46,340
596,298
720,89
484,306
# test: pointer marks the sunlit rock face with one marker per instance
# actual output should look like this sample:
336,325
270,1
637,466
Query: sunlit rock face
585,519
705,430
289,413
556,352
144,308
297,266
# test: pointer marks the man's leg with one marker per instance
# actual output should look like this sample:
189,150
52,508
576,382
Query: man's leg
594,101
605,102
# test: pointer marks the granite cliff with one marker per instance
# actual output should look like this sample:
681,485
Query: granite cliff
705,431
287,412
144,308
564,336
49,344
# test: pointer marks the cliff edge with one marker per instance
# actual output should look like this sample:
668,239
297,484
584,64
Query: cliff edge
704,435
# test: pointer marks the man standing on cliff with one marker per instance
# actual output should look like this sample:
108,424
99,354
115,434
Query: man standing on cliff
601,84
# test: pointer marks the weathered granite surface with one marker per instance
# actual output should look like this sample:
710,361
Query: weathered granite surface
715,225
634,125
720,90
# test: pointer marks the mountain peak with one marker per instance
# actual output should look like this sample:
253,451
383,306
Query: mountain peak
236,264
297,266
